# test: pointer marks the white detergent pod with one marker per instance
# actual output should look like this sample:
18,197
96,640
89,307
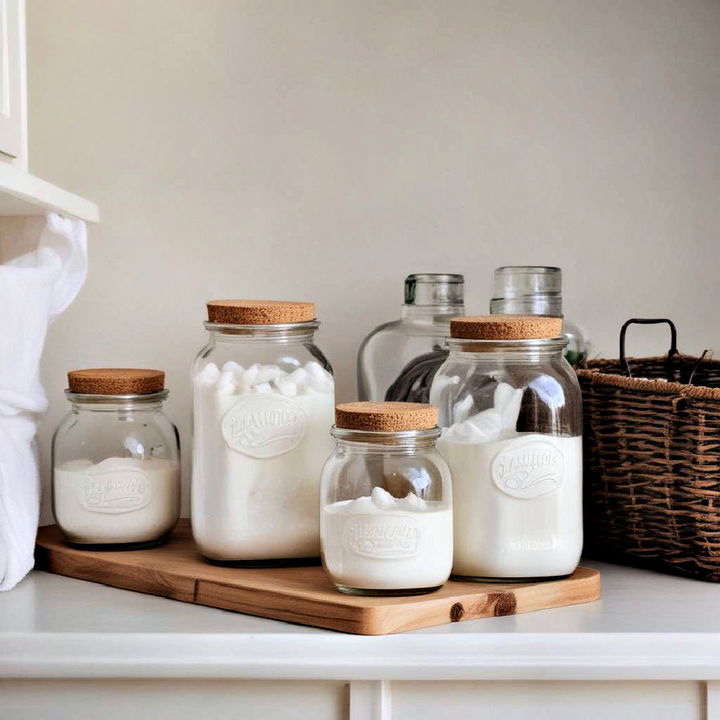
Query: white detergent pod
461,410
232,366
299,377
488,422
226,383
267,374
250,375
317,376
209,375
287,388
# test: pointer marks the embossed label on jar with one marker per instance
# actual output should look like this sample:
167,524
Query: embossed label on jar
528,468
264,426
394,536
115,491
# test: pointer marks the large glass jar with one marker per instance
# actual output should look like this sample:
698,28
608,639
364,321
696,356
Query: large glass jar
386,506
511,413
397,361
264,400
536,290
116,461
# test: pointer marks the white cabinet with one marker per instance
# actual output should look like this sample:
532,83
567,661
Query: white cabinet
12,81
650,648
20,192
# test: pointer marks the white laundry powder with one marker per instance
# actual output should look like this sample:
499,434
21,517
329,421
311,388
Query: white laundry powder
261,438
517,497
385,543
119,500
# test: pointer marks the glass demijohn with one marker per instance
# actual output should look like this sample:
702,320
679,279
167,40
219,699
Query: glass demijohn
397,361
537,290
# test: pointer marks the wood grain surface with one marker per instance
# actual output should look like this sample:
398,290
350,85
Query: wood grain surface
302,595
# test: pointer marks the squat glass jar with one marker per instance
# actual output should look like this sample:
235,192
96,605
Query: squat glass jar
511,412
386,507
116,461
264,398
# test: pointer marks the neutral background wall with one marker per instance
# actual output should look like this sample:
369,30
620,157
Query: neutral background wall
323,150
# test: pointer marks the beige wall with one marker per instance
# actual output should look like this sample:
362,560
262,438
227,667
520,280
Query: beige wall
323,150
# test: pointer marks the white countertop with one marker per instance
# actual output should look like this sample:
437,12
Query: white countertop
646,626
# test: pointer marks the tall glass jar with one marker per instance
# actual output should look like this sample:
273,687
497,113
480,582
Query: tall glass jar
264,400
511,413
397,361
536,290
386,506
116,461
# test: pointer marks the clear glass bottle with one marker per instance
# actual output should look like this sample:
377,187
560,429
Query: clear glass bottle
116,461
264,399
511,412
386,505
537,290
397,361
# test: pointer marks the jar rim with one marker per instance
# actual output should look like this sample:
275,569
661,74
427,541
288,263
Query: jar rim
96,399
382,435
555,343
258,328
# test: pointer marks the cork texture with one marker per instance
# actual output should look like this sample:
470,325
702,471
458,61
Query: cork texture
506,327
386,416
116,381
259,312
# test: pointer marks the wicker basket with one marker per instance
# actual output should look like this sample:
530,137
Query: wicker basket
652,461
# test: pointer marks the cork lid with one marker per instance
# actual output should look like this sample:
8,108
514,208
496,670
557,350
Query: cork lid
116,381
386,416
506,327
259,312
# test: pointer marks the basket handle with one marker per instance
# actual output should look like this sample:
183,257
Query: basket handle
647,321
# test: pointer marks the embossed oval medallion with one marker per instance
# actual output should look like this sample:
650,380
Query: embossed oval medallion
263,426
115,491
392,536
528,468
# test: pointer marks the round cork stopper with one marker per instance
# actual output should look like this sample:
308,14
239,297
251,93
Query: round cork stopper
386,416
259,312
116,381
506,327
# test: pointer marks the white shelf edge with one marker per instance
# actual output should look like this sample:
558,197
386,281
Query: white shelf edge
24,194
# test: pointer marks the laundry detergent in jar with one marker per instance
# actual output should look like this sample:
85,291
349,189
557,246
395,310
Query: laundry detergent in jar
264,400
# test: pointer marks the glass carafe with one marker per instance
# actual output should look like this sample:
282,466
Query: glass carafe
537,290
398,360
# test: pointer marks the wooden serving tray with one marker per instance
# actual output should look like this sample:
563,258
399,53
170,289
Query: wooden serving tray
300,594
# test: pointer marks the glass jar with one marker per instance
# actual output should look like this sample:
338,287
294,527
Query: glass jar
397,361
386,513
264,398
511,411
531,290
116,461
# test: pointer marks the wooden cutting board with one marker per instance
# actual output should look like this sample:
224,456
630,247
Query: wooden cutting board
302,595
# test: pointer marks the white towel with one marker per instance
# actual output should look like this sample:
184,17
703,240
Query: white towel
34,288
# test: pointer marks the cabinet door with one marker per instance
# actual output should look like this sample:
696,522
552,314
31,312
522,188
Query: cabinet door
12,77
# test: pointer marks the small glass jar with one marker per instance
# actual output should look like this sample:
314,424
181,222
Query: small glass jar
116,461
511,412
264,398
397,360
537,290
386,513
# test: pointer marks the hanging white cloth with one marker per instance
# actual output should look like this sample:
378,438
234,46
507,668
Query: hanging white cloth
34,288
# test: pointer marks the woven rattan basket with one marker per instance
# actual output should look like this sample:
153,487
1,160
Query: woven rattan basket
652,461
